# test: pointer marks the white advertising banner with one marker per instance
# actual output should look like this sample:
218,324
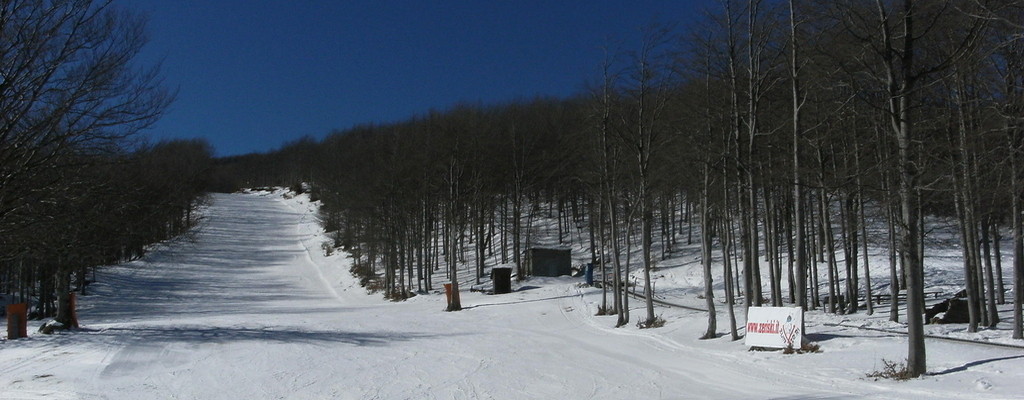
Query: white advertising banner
775,327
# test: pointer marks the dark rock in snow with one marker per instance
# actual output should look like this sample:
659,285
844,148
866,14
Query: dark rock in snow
955,310
51,326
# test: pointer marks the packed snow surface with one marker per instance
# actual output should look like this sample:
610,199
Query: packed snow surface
251,308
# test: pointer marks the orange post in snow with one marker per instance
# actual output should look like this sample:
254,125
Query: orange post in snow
17,321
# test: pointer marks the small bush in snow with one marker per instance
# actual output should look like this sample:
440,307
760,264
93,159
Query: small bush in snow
805,348
892,370
398,295
328,248
372,284
657,322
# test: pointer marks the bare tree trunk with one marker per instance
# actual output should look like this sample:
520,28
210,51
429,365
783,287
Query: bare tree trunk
792,271
899,64
62,280
624,313
481,241
996,238
517,235
597,239
705,252
860,220
607,198
771,249
966,238
454,176
730,289
603,254
813,263
735,126
504,228
965,205
1017,197
621,300
993,312
868,293
646,219
830,252
894,275
646,228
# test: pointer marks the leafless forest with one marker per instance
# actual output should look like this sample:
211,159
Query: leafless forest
78,186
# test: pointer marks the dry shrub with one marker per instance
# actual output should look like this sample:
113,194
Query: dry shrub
397,295
657,322
894,370
804,349
328,248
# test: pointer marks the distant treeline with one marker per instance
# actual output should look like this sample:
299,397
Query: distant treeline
77,189
778,128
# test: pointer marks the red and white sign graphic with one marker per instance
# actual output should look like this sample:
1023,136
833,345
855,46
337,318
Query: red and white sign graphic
776,327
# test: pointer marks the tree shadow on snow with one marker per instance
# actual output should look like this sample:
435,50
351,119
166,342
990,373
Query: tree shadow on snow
967,366
221,335
822,337
519,301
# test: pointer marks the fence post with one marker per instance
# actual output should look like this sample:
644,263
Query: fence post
17,321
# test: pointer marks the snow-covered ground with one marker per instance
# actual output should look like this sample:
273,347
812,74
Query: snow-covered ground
252,309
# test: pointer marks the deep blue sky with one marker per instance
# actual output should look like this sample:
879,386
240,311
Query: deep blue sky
252,75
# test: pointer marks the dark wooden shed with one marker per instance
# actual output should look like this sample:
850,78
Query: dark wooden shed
549,261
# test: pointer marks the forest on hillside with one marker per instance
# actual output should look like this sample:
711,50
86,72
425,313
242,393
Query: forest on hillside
79,187
778,127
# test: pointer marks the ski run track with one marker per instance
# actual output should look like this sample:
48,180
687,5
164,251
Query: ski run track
249,307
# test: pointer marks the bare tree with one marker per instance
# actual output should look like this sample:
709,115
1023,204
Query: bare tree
71,98
893,39
69,85
648,89
795,63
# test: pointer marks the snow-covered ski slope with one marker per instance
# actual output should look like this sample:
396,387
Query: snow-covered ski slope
250,308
